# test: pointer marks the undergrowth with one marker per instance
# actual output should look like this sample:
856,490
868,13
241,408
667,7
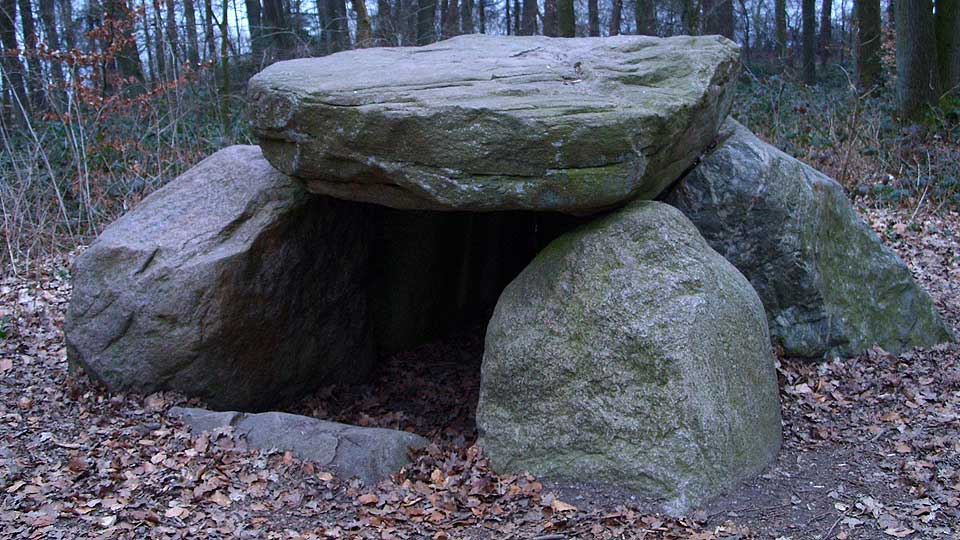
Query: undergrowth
855,137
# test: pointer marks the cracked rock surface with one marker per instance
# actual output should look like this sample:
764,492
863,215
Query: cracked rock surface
370,454
497,123
231,283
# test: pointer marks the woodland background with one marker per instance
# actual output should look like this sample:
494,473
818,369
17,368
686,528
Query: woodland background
105,100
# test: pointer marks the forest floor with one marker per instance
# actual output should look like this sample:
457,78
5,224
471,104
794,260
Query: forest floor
871,446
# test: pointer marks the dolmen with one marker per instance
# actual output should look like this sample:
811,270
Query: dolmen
641,254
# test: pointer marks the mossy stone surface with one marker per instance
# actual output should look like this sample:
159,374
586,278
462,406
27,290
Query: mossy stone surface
497,123
829,285
629,352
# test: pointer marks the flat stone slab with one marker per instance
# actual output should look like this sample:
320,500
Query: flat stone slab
497,123
371,454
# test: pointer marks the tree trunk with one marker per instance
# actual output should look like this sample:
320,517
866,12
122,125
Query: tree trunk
466,16
718,17
149,46
918,79
566,18
225,71
516,17
426,21
948,44
364,31
509,20
451,19
645,16
482,9
780,16
690,16
593,18
193,47
275,29
12,67
160,52
528,21
208,35
48,18
35,81
809,15
66,21
384,23
172,35
551,25
615,15
123,41
826,30
869,68
255,26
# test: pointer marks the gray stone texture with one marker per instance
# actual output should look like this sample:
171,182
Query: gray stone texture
829,285
629,352
497,123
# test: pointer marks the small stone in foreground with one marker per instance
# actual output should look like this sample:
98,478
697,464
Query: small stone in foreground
371,454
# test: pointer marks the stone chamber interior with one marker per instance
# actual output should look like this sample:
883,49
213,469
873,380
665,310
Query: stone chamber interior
435,278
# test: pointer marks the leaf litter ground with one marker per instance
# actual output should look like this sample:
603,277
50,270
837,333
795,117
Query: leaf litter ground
871,446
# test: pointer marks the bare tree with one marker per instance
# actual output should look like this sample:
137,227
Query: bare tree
364,30
826,30
208,29
190,16
173,39
780,16
566,18
427,21
918,78
528,20
451,19
593,18
482,9
718,17
122,40
48,18
551,25
466,16
869,68
690,16
16,100
809,18
616,13
947,22
645,16
35,83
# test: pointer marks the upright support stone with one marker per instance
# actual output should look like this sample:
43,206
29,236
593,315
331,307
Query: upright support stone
230,283
629,352
829,285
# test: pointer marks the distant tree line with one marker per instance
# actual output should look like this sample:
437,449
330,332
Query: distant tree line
132,47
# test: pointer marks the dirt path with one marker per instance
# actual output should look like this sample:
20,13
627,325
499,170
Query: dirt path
871,447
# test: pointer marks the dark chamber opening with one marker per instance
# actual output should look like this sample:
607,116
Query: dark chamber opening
435,279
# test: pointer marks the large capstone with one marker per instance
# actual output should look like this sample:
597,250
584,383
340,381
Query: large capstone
496,123
631,353
231,283
827,282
